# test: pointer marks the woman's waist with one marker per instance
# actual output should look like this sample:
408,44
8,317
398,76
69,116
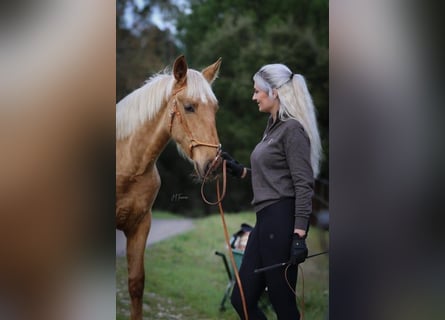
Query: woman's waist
271,193
268,203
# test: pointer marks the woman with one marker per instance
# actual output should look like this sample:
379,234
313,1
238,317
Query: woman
283,167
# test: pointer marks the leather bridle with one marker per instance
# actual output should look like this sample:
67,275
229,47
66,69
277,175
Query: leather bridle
174,112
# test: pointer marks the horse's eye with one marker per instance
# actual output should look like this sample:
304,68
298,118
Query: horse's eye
189,108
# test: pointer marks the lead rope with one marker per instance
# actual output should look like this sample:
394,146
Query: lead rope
218,202
294,291
196,143
212,166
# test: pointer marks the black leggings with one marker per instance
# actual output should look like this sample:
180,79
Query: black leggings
268,244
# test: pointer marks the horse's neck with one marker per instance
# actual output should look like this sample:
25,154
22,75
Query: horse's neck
139,152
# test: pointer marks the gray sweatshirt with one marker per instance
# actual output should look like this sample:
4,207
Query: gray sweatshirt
281,168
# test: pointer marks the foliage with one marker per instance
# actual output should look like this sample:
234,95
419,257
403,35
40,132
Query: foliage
246,34
142,48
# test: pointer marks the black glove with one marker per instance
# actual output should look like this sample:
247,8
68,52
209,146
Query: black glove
298,250
233,167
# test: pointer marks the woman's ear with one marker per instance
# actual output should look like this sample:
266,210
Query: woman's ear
275,93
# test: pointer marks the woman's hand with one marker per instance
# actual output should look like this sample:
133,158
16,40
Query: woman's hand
234,167
298,250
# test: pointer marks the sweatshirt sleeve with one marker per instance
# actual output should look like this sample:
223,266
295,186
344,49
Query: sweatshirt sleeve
297,149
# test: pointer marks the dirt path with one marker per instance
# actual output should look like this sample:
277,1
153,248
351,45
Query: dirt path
160,229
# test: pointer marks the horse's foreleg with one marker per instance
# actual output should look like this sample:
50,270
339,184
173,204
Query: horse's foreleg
136,274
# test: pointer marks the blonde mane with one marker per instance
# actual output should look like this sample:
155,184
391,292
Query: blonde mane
144,103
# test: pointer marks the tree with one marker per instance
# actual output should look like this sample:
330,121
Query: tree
142,47
246,34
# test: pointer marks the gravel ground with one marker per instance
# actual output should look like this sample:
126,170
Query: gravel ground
160,229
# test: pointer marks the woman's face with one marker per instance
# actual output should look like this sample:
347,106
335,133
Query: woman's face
265,103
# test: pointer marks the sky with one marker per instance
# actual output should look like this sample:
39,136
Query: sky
157,17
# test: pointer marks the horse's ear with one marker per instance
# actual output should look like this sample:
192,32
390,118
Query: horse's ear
211,72
180,68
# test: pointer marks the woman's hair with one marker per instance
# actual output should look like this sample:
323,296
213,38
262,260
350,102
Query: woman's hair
295,103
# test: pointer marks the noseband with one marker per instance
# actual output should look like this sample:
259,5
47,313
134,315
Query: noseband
193,142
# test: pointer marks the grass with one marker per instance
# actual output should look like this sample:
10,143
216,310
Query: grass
186,280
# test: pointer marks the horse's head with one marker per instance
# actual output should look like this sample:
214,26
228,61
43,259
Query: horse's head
193,106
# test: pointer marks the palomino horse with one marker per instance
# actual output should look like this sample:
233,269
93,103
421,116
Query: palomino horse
179,106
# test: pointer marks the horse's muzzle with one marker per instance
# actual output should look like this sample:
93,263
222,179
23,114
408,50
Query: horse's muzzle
210,169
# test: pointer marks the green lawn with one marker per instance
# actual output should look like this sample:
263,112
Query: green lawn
186,280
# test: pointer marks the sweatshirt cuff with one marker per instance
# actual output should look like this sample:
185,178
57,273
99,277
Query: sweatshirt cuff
301,223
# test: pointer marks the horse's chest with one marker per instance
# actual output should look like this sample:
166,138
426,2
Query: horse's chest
135,197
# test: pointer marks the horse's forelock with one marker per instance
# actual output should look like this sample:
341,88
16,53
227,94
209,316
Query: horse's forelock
144,103
198,88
